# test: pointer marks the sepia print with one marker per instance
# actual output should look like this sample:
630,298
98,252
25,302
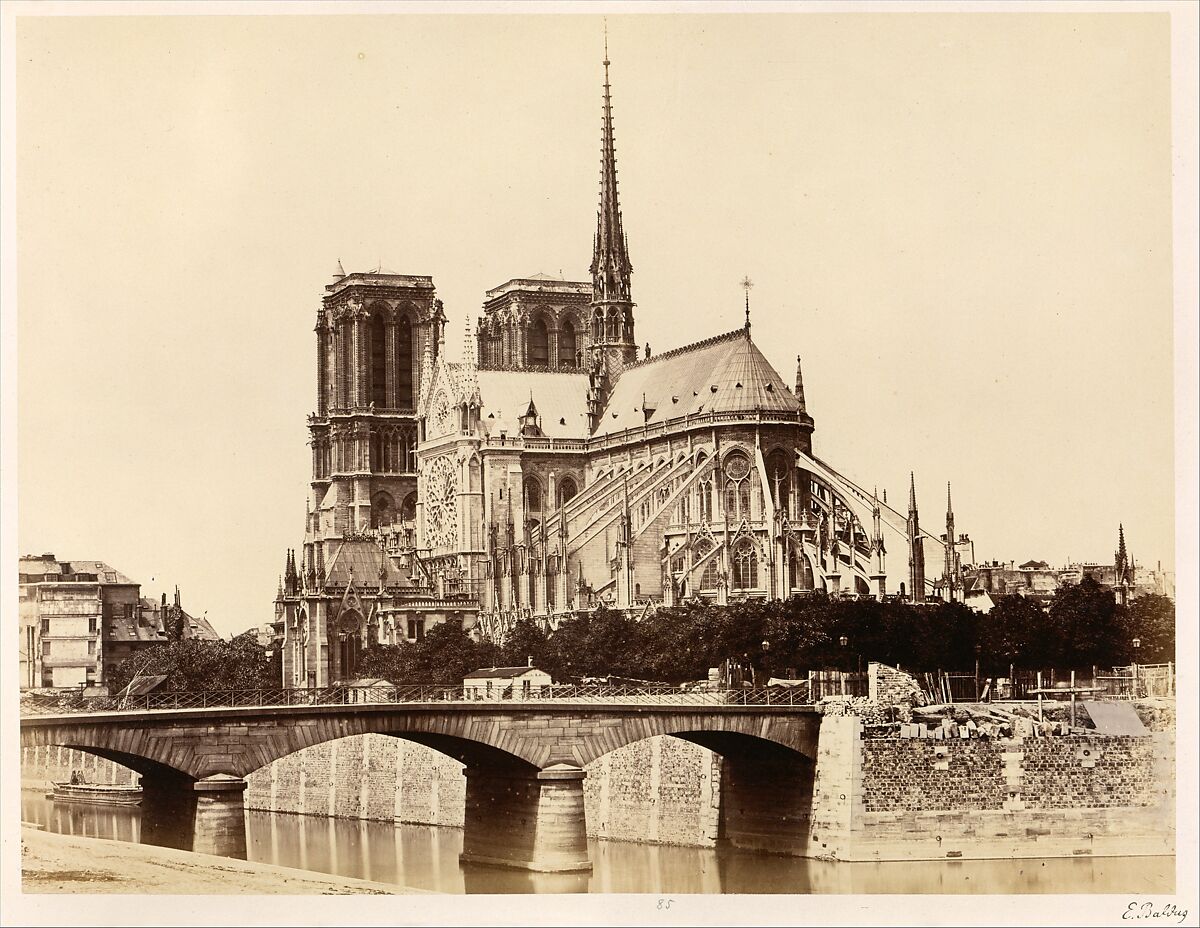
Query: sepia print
740,482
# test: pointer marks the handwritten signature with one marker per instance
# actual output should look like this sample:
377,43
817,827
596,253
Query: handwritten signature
1147,910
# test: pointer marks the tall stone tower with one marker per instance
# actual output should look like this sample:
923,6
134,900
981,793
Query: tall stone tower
377,335
612,332
916,547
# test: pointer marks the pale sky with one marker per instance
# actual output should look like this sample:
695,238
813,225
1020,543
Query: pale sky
961,222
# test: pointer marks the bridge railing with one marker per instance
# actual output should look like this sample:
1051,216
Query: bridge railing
590,694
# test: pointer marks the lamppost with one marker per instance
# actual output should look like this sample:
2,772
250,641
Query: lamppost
1137,689
766,650
978,648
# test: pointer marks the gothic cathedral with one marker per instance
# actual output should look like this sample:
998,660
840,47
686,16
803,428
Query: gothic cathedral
553,470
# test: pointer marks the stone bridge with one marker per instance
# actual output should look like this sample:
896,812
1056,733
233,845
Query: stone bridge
524,765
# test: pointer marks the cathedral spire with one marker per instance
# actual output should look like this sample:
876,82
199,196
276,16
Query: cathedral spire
746,285
800,387
951,569
611,294
916,546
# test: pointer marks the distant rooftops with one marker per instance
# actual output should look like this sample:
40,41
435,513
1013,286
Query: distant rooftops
46,568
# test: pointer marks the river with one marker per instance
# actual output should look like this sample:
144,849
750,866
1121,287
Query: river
426,857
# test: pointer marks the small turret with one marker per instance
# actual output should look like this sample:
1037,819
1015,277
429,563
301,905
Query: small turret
800,385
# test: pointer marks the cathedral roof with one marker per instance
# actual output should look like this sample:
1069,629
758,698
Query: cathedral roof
560,400
723,374
362,558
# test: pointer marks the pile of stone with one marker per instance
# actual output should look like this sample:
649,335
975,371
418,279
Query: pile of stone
979,720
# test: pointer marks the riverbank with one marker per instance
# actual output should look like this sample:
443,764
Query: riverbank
54,863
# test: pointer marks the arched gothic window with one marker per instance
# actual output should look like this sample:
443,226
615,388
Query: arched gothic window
711,572
780,473
745,566
539,343
408,510
566,490
533,495
378,361
404,362
566,344
344,362
800,572
704,494
350,644
383,510
737,487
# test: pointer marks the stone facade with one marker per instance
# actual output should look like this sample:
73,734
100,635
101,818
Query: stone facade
910,775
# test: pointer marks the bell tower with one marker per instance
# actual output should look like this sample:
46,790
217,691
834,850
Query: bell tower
373,331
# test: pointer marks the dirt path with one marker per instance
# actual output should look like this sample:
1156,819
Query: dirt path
53,863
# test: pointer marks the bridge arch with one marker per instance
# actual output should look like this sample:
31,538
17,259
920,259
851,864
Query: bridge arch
203,743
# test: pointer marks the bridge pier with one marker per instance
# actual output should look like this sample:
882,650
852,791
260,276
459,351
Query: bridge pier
220,818
766,800
526,820
168,810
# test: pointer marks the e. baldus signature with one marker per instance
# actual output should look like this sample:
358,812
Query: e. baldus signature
1139,910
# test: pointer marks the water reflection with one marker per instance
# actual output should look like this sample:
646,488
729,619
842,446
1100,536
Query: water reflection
426,857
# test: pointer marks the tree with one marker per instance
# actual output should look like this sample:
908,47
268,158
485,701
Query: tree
194,664
1014,633
1085,624
1151,620
391,662
524,640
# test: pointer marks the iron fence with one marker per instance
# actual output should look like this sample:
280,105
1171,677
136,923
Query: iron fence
1132,682
591,694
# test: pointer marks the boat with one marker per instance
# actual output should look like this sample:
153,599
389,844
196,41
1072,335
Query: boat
110,794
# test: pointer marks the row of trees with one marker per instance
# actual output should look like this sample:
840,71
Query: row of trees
1082,626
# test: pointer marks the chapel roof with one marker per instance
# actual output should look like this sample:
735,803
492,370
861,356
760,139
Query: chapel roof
360,558
726,373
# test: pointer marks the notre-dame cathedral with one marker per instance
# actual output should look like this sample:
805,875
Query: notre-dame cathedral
557,468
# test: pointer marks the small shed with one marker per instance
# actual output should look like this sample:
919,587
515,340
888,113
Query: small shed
506,683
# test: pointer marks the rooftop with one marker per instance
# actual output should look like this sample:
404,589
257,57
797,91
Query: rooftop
380,278
505,673
726,373
540,283
45,568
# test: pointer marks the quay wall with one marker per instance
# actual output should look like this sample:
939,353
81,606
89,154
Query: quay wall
925,799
